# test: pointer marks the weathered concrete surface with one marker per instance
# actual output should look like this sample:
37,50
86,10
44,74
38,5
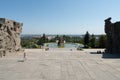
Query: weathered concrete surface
10,35
59,64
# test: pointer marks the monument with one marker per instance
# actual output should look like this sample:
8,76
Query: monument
112,31
61,42
10,35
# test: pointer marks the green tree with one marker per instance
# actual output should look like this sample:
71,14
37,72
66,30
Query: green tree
42,40
55,38
97,43
93,41
35,46
29,43
67,38
86,39
102,41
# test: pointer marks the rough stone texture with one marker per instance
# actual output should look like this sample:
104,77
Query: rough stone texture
10,35
112,31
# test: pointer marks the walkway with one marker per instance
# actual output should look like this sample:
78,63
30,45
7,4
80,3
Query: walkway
59,64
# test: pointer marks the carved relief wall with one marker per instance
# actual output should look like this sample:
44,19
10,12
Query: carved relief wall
10,34
112,31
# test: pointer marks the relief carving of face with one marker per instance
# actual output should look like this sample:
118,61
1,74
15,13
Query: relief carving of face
1,27
18,28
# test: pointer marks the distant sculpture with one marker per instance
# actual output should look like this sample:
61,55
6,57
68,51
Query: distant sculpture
112,31
10,35
61,42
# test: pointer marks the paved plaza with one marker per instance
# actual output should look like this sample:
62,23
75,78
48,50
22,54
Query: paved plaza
59,64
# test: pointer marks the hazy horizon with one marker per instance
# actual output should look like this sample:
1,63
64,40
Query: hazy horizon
61,34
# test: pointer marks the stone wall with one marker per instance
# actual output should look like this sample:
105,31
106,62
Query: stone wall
10,35
112,31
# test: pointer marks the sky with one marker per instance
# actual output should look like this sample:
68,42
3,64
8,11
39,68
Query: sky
61,16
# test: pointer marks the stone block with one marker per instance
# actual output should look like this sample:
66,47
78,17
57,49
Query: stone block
10,35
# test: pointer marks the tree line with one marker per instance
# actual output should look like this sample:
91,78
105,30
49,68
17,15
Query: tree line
89,41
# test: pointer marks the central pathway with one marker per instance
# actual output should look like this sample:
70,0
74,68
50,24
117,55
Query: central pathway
59,64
